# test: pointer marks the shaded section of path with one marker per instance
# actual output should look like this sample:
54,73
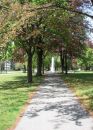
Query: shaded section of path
54,107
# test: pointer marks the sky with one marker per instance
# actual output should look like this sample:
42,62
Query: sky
88,8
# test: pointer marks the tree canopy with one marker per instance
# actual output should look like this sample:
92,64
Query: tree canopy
56,25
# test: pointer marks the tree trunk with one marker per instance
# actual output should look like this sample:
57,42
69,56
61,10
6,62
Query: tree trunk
71,63
29,69
39,61
43,67
66,64
62,61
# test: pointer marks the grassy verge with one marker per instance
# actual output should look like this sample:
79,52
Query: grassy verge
82,84
14,92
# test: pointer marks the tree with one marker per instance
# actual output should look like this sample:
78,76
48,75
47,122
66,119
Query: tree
86,61
39,61
65,32
92,2
20,23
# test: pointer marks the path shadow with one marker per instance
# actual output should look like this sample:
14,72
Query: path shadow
54,96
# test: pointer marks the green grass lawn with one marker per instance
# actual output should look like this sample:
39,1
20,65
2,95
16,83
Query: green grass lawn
14,92
82,84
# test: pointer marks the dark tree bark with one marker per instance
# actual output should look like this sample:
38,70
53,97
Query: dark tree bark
66,64
43,66
62,60
71,63
29,68
39,61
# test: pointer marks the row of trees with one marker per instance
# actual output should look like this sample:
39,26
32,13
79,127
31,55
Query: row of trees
42,26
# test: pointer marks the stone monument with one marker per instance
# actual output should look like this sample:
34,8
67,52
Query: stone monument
52,68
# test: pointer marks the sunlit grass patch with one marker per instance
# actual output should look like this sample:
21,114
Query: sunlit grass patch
82,84
14,92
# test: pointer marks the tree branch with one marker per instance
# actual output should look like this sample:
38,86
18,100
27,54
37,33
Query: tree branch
54,6
92,2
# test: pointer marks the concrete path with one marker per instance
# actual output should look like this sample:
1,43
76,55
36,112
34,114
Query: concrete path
54,107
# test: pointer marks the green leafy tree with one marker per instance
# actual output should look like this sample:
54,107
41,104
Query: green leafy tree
86,61
19,22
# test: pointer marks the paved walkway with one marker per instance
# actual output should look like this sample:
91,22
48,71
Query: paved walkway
54,107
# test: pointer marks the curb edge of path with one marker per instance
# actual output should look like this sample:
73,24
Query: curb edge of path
23,109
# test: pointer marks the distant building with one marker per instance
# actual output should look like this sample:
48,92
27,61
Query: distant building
5,66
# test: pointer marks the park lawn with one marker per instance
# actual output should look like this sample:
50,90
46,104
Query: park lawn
14,92
82,84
